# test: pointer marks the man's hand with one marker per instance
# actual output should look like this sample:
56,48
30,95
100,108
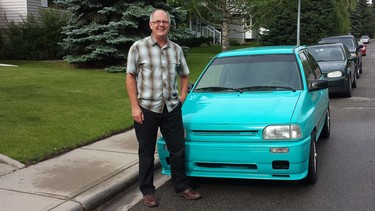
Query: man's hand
138,115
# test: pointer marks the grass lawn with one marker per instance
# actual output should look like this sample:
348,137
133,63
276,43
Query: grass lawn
48,107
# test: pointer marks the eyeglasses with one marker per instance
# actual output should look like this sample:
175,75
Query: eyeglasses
160,22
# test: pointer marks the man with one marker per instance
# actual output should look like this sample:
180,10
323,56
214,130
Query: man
151,81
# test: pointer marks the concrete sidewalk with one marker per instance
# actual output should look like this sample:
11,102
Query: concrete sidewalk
82,179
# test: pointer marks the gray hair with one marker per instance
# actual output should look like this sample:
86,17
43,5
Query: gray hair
155,10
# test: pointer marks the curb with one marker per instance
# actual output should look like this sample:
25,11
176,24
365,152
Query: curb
105,191
11,162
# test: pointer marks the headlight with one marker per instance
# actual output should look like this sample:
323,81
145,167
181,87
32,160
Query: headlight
353,54
283,132
334,74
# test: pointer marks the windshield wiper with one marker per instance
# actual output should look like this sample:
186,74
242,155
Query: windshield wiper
218,88
251,88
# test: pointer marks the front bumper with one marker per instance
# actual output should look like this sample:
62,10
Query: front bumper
242,160
339,85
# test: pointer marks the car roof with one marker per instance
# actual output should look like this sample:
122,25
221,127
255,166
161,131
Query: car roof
326,45
339,36
285,49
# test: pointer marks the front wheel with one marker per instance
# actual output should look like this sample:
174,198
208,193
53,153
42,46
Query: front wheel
326,132
313,164
354,84
348,92
357,71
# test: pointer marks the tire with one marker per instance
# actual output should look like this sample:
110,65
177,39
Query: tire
357,71
326,131
348,92
313,164
357,74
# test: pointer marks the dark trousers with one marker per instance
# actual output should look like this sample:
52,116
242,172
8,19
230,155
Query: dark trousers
171,127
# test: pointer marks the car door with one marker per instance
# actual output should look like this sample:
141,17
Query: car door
318,100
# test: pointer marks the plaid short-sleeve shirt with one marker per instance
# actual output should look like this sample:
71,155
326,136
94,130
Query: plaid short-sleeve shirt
156,71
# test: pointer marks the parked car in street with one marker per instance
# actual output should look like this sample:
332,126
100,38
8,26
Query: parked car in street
363,49
352,44
365,39
255,113
337,65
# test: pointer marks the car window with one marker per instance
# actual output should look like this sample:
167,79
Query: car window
309,73
327,53
347,52
349,42
314,65
242,72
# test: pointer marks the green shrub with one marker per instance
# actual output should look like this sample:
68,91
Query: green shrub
234,42
35,39
196,41
115,69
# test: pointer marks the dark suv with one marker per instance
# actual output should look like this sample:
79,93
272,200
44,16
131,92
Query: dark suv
352,44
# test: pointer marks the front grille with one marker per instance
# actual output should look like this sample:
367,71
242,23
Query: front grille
227,165
225,132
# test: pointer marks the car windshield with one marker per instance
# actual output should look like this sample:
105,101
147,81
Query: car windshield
347,41
251,73
327,53
364,37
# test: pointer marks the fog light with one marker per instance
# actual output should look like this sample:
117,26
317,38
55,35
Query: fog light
279,150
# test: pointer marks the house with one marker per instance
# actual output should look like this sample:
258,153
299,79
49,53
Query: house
17,10
242,33
236,32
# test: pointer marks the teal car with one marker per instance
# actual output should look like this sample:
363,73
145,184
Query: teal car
255,113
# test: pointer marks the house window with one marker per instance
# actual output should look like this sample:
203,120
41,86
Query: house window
248,22
44,3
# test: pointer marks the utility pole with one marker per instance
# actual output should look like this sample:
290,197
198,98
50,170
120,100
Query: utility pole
298,22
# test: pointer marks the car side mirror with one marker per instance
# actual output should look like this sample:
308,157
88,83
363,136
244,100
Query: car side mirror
190,86
318,84
352,58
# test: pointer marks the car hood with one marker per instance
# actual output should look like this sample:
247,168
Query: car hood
352,49
249,108
330,66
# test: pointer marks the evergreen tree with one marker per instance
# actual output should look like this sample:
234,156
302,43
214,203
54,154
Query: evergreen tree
355,18
282,24
100,32
366,18
371,28
318,19
343,9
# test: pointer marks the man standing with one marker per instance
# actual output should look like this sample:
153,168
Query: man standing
151,81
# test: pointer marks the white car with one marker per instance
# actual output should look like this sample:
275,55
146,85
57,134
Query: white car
365,39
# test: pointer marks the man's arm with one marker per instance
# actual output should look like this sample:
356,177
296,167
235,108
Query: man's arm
131,86
184,83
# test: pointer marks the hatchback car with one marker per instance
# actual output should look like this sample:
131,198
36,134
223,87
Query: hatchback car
365,39
352,44
337,65
255,113
363,49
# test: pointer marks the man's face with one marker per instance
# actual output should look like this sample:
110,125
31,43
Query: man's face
160,24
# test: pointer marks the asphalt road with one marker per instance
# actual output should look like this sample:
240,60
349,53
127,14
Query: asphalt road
346,167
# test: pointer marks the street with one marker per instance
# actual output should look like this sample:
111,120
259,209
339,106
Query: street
346,167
